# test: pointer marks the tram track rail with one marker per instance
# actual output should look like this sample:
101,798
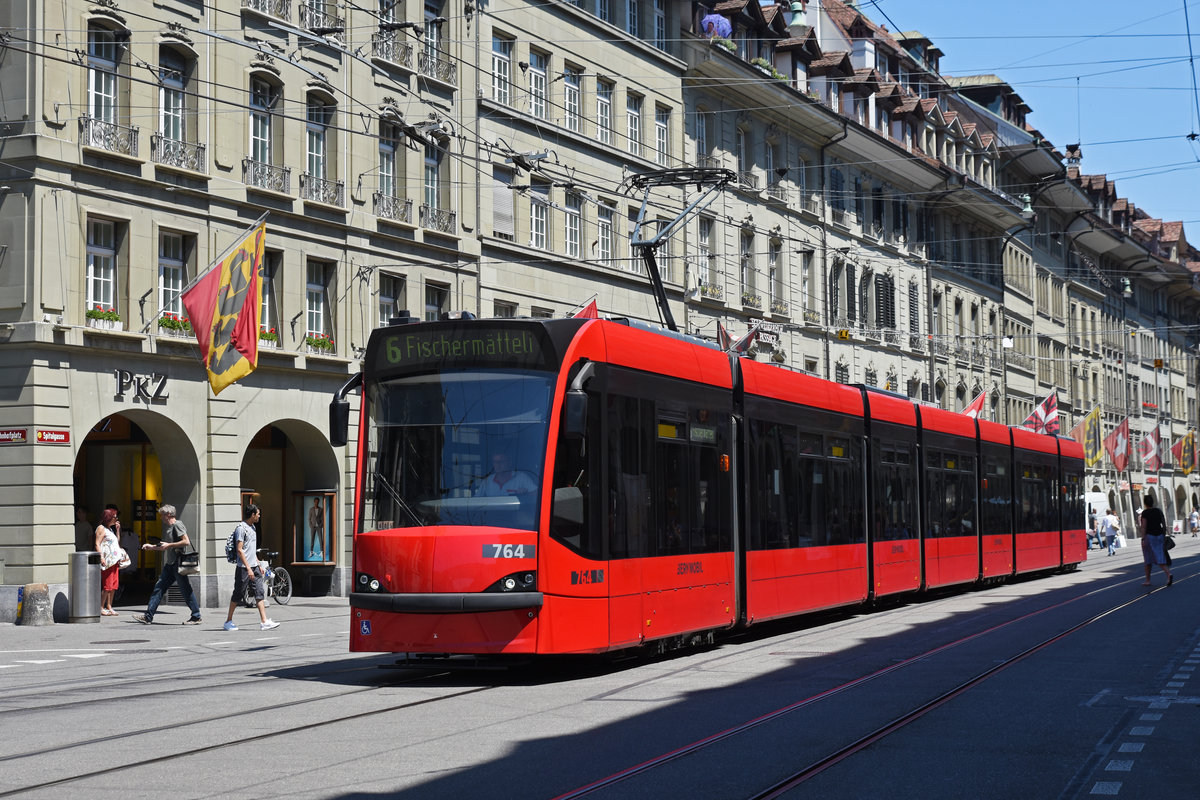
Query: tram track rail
781,787
234,742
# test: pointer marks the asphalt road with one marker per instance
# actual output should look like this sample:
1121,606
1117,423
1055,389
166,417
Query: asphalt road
1069,686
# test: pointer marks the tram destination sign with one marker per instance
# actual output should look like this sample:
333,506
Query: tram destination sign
422,348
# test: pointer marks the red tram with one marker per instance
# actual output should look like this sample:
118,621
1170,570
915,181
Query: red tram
582,486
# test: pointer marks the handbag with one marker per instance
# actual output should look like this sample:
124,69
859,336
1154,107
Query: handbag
189,563
111,555
1168,542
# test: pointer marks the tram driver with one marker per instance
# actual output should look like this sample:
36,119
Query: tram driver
504,481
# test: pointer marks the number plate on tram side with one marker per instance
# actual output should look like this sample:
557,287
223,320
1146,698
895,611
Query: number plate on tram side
508,550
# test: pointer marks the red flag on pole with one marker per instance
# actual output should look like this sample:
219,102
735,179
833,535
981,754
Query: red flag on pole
724,340
590,311
1116,444
1148,449
225,306
976,407
1044,418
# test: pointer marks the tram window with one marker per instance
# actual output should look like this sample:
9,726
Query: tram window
630,422
691,486
895,492
571,520
771,487
996,498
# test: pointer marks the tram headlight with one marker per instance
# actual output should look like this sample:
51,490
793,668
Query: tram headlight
367,583
516,582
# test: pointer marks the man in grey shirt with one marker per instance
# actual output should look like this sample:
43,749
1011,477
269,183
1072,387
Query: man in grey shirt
174,543
247,569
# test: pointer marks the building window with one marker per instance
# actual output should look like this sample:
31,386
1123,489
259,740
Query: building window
502,69
537,84
660,24
101,265
172,273
572,80
502,309
604,233
391,297
435,301
103,56
604,10
539,213
741,151
746,262
541,313
662,135
633,126
319,117
604,118
172,105
433,175
775,276
704,252
572,224
389,146
269,316
632,26
262,101
503,221
317,320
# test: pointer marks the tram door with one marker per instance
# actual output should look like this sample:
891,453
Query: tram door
629,512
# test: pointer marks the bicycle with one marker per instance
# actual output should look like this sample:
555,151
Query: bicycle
276,580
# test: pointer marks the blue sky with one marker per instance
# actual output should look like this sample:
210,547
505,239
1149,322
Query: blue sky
1114,76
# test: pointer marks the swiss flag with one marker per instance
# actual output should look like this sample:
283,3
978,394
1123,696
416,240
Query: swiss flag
1116,444
590,311
976,408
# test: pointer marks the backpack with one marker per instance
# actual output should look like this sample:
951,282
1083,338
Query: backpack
231,548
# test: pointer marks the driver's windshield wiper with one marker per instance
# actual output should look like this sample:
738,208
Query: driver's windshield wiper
397,499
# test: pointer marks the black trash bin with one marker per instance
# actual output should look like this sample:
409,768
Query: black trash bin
83,587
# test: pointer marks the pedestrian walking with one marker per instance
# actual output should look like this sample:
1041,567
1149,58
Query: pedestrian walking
1194,521
248,571
174,544
1110,527
1154,536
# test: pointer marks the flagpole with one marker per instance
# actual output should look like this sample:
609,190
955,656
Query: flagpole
212,265
577,306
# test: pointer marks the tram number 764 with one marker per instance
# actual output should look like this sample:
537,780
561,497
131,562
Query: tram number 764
508,550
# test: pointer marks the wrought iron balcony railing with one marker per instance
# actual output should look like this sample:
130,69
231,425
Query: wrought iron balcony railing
777,192
711,291
391,47
438,67
267,176
812,315
321,190
174,153
751,300
708,162
276,8
780,307
747,180
109,136
316,18
397,209
442,220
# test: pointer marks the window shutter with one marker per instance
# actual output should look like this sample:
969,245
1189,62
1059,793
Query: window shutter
502,205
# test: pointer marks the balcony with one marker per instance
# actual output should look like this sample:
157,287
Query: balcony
321,190
174,153
780,307
751,300
441,220
711,291
747,180
282,9
318,20
266,176
777,192
812,315
916,343
122,139
396,209
391,47
438,67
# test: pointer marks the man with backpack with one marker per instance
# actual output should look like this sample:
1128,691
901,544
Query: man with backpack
174,544
245,555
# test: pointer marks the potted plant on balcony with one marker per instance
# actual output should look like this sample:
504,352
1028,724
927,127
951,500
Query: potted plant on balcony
174,325
268,335
320,343
103,318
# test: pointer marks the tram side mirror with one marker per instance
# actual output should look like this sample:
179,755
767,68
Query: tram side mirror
339,421
574,422
568,505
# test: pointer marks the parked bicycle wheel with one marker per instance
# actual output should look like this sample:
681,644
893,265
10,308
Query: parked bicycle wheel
281,586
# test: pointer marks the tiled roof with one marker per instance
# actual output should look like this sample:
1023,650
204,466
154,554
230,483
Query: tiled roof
1171,231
